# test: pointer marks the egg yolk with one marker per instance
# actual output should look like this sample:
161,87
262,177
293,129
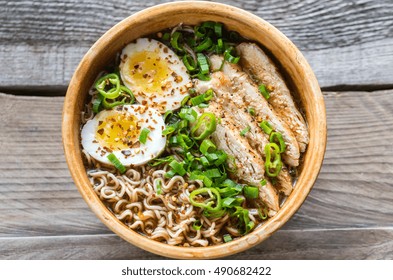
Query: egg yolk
148,71
118,132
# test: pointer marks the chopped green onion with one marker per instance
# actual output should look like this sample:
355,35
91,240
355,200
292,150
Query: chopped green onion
189,156
203,63
197,175
168,114
276,137
178,167
116,162
189,62
176,37
143,136
205,162
158,187
264,215
197,225
229,188
263,90
251,192
202,77
230,56
97,102
185,100
205,44
205,126
170,174
184,141
159,161
221,158
203,105
266,127
263,182
188,114
251,111
208,24
244,131
197,100
227,238
212,173
208,95
169,129
220,46
166,36
230,202
244,220
207,147
218,29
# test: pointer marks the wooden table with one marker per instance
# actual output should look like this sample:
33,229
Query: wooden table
349,212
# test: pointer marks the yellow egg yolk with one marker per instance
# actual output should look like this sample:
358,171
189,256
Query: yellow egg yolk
148,71
118,132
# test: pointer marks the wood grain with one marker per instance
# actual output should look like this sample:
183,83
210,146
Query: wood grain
38,197
346,42
284,245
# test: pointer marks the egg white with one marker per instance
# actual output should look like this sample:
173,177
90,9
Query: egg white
135,154
162,85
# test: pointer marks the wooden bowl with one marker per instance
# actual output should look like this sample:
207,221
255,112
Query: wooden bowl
169,15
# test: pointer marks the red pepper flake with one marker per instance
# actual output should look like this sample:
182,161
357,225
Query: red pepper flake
100,131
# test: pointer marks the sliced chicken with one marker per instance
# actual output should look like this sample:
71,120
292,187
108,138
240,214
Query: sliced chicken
232,84
249,165
255,137
261,68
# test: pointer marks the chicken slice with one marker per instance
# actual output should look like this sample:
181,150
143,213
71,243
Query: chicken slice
261,68
232,84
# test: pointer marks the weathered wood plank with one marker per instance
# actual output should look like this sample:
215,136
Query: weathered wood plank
290,244
346,42
354,189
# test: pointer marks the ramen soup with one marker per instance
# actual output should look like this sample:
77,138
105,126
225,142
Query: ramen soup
192,137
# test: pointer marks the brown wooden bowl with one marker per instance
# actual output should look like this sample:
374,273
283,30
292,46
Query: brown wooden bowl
169,15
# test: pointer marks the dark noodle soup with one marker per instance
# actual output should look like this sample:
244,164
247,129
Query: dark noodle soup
188,141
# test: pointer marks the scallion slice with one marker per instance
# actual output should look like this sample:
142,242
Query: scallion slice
203,63
251,111
244,131
116,162
158,187
230,55
266,127
178,167
189,62
205,44
263,90
250,192
175,41
207,147
197,225
143,136
97,102
227,238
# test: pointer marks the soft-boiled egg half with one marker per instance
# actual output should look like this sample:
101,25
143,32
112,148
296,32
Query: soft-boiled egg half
118,131
155,74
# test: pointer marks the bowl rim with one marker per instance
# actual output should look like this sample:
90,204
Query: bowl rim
215,251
